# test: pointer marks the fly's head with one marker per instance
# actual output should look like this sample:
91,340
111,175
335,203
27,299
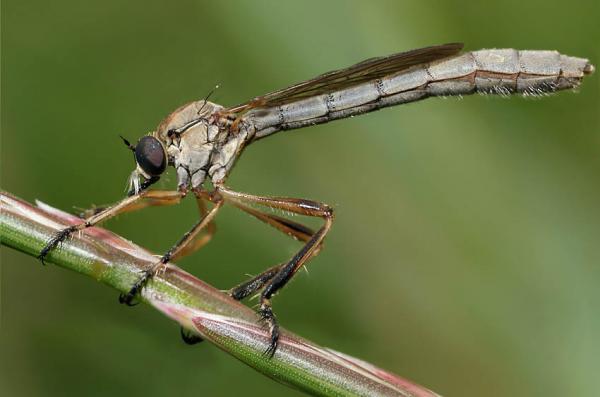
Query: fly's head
151,161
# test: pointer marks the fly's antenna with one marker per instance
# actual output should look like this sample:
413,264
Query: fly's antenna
206,98
129,145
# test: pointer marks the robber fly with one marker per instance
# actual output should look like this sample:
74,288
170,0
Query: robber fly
202,141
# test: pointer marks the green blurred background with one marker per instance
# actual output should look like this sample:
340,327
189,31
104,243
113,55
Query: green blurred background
466,247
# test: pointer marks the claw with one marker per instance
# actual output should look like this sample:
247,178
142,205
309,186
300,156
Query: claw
128,297
54,241
189,338
41,259
237,293
267,316
270,352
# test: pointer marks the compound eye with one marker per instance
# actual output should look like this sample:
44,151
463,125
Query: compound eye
150,156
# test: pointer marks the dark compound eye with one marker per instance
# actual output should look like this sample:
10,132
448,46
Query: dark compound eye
150,156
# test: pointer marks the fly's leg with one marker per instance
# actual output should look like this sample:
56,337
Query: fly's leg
286,271
132,203
189,338
150,198
188,242
293,229
248,287
202,239
195,244
285,274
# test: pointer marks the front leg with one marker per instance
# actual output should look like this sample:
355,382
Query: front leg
128,204
278,276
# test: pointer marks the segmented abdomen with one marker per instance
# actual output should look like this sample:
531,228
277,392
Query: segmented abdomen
492,71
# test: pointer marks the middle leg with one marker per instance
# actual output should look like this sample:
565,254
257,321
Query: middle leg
189,242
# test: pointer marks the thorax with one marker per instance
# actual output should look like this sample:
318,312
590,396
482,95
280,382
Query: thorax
207,149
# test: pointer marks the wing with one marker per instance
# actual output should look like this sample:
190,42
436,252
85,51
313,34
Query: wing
370,69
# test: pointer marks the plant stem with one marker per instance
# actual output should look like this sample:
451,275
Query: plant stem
197,306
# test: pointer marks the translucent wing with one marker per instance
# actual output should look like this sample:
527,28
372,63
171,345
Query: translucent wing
361,72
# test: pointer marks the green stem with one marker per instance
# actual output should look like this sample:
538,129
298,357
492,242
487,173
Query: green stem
201,308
